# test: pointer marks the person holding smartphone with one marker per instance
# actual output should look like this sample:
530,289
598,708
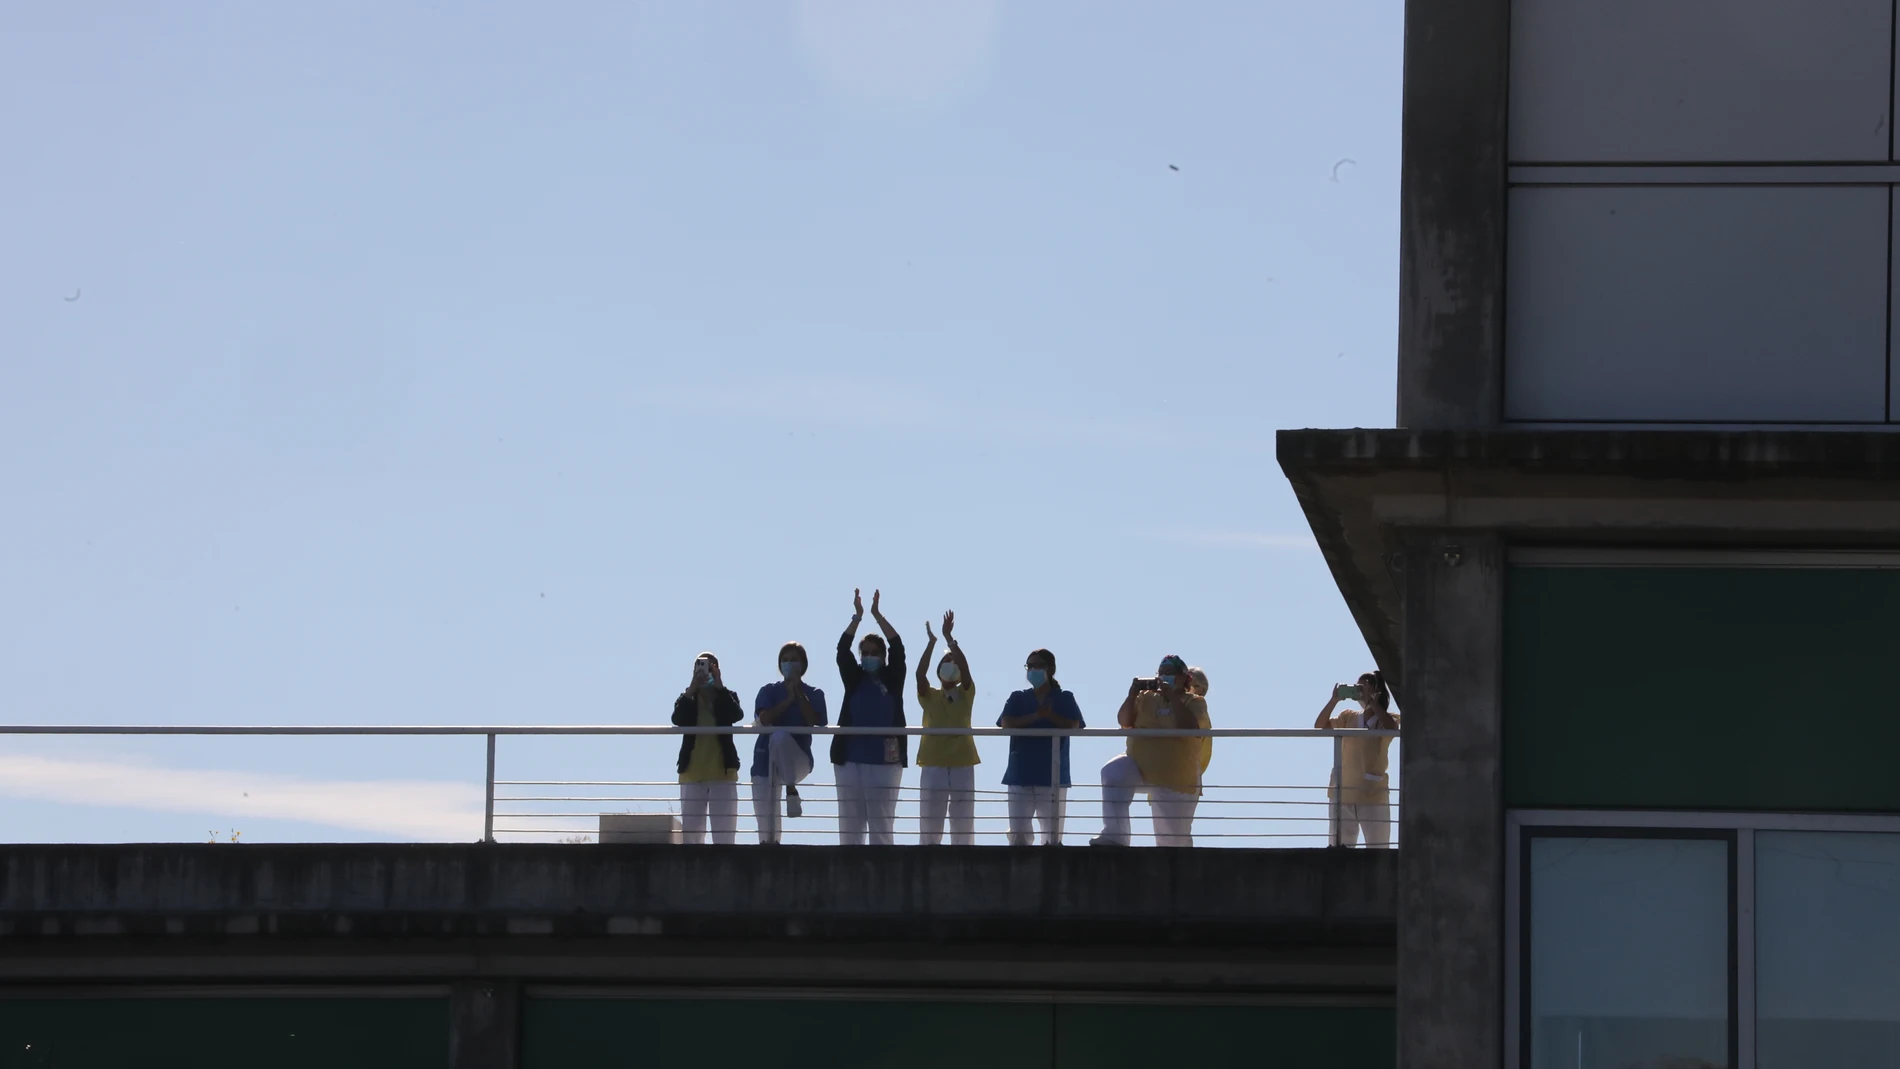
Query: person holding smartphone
1363,790
946,763
869,767
1168,769
1031,794
782,756
708,764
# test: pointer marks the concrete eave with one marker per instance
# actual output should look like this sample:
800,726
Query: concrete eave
1362,489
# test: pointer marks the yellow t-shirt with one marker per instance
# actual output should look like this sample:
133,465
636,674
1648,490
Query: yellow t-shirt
708,762
1363,762
946,708
1172,763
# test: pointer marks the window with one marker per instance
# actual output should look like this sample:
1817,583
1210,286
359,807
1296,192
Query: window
1630,954
1827,949
1694,940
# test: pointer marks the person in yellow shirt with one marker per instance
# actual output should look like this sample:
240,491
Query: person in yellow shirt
708,764
1365,804
1168,769
947,763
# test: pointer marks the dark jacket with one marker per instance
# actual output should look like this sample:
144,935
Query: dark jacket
726,712
891,675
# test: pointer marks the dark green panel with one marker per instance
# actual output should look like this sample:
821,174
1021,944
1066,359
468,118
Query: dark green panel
224,1033
1701,688
783,1034
1286,1037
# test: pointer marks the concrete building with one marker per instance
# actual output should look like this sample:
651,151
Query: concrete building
588,957
1630,556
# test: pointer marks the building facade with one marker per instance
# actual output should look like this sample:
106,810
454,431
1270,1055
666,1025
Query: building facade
1632,555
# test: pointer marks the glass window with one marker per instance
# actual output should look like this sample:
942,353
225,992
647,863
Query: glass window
1630,953
1827,949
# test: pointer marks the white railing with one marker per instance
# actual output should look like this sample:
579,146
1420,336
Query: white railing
1229,814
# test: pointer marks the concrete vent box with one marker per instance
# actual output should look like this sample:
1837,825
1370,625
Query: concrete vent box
639,828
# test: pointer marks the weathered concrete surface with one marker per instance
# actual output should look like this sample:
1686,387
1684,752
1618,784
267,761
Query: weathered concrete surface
1361,488
1451,872
1049,918
1451,213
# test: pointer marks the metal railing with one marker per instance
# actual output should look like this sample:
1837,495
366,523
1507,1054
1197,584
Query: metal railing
1266,814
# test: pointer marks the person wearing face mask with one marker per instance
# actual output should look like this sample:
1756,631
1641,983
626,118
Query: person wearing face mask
947,763
1363,791
869,767
782,757
1169,769
708,764
1044,705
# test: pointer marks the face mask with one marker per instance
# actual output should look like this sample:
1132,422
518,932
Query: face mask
872,664
1037,677
1167,682
790,669
950,673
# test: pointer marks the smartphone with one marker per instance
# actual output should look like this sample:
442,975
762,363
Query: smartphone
1147,683
1347,691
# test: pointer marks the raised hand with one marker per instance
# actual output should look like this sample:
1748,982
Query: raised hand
857,602
949,621
874,596
933,634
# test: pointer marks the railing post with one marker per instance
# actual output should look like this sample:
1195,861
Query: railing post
488,812
1055,791
1338,793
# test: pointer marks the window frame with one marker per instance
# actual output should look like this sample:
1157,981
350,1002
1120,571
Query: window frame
1522,825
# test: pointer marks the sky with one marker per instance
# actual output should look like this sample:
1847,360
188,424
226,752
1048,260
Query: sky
454,362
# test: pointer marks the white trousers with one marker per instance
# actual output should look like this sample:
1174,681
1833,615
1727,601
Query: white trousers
1173,811
789,767
951,790
1045,804
717,803
1374,822
867,803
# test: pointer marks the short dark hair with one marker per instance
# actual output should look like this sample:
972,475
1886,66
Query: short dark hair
794,647
879,639
1045,655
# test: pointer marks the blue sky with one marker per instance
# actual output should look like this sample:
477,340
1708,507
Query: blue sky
482,362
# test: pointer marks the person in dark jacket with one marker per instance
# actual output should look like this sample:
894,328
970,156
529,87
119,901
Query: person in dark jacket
708,764
869,768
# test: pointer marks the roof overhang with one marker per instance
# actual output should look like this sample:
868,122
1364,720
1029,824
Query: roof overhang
1363,489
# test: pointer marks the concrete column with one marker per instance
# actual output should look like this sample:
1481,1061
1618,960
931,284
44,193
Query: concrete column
484,1025
1451,214
1451,824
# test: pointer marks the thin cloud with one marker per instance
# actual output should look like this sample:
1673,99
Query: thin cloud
407,809
897,57
879,406
1226,539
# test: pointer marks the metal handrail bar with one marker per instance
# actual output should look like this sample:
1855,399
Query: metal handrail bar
820,783
670,729
492,732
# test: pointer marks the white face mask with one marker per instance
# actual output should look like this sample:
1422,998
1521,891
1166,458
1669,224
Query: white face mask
949,673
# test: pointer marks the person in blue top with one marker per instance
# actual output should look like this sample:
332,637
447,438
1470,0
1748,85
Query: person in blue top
869,767
1044,705
782,757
